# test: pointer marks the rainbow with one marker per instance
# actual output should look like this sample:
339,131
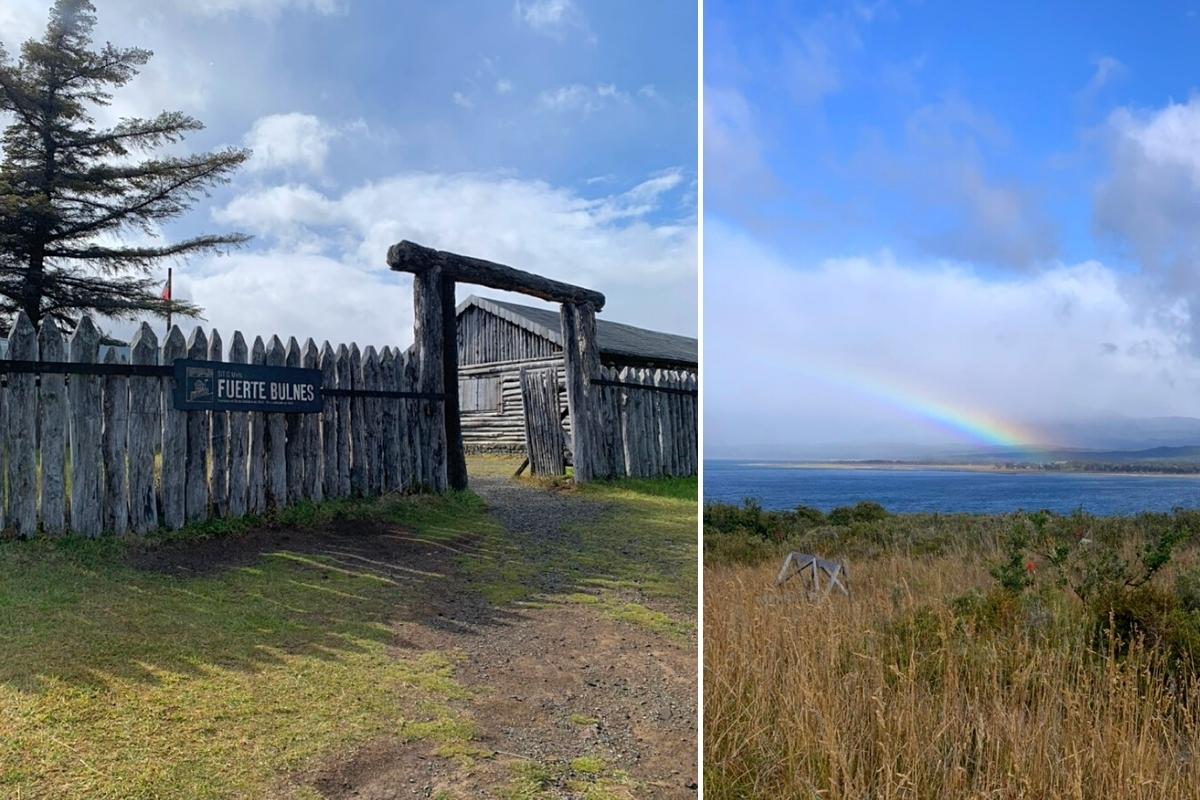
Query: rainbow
975,425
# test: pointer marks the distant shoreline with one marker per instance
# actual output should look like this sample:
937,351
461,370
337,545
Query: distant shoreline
912,466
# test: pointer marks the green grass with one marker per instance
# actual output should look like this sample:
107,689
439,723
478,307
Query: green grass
117,682
587,777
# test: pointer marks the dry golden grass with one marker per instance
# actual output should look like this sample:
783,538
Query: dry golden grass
894,695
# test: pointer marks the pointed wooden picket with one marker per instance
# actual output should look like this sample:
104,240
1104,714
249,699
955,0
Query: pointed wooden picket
196,471
328,424
313,451
21,434
83,393
218,442
256,466
344,432
294,430
358,427
276,443
145,433
239,440
114,437
174,438
52,396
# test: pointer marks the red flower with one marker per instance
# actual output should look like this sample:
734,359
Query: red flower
1029,566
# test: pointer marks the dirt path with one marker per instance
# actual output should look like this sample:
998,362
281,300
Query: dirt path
566,700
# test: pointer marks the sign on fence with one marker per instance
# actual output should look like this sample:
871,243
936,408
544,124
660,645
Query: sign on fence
224,386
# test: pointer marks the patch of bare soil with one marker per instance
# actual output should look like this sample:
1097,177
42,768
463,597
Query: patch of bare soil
556,684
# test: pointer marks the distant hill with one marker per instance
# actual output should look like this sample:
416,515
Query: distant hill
1113,439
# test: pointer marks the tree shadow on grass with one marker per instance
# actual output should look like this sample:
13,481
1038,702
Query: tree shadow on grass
88,613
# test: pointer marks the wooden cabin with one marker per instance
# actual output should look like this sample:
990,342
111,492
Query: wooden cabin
496,340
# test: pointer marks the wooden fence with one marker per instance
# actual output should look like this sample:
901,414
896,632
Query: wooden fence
133,462
644,421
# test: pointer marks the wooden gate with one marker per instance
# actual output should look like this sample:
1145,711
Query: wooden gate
544,438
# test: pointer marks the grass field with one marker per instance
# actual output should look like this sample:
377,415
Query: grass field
965,665
118,681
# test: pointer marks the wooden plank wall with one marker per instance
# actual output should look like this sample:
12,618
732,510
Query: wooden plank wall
484,338
118,431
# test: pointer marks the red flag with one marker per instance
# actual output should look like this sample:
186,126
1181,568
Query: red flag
166,292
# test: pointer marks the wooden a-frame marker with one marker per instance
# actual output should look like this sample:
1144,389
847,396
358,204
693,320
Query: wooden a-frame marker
799,563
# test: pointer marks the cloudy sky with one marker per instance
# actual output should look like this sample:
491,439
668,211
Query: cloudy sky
557,136
927,225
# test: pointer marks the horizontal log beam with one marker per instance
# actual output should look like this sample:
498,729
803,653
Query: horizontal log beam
412,257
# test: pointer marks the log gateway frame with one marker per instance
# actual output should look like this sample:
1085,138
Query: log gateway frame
436,273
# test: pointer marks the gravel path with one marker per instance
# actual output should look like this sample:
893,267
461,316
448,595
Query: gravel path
535,672
537,520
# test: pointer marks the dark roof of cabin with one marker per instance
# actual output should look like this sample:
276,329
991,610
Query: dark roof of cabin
615,339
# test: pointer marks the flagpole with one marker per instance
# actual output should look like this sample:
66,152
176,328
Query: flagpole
169,296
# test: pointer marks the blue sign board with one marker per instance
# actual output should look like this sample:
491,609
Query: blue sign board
222,386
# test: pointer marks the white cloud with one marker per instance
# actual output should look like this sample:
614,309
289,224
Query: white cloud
504,86
21,20
548,16
300,294
1168,137
281,141
827,351
585,99
647,269
1150,199
462,101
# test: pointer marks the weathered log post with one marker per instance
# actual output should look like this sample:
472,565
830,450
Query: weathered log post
456,459
581,358
428,322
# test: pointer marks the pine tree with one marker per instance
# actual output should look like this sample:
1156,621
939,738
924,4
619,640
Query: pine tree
71,195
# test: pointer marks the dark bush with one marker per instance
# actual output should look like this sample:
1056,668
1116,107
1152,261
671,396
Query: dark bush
859,512
1153,615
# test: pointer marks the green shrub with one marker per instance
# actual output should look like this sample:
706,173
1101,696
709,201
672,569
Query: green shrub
864,511
1152,615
